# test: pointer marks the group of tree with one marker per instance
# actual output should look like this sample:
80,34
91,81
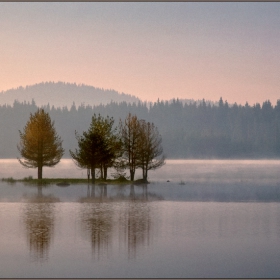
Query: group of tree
141,145
133,144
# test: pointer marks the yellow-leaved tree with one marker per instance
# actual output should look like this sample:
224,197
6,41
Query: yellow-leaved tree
39,143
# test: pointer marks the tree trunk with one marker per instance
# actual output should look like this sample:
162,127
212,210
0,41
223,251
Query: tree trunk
40,172
105,172
132,172
88,174
101,171
93,174
146,175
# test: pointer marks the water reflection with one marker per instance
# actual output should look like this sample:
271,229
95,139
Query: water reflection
104,193
95,193
135,221
138,227
101,219
97,225
38,217
143,195
40,197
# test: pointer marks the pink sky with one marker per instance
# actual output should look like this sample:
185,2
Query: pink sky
150,50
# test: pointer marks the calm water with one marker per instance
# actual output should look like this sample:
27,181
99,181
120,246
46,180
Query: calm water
213,219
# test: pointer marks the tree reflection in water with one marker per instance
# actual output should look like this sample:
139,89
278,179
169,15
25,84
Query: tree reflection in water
97,218
38,218
135,221
95,193
97,224
133,218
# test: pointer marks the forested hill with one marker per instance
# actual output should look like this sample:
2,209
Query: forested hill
63,94
188,130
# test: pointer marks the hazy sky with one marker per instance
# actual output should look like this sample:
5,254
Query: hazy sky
151,50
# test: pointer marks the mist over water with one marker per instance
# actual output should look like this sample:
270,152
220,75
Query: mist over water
181,180
216,171
214,218
222,171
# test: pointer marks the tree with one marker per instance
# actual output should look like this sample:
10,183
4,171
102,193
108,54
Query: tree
150,148
39,143
130,133
98,147
111,146
89,152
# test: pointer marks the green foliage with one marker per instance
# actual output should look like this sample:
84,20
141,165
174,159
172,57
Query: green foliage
98,147
138,144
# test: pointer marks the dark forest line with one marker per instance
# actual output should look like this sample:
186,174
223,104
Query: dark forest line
196,130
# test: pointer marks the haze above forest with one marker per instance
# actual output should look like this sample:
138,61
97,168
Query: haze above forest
62,94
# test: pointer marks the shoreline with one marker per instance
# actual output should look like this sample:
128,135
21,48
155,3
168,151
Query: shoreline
68,181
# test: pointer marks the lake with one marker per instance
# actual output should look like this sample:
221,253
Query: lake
214,219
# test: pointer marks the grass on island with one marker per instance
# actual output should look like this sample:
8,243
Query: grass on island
68,181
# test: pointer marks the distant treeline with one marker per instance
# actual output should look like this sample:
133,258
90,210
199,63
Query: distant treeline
196,130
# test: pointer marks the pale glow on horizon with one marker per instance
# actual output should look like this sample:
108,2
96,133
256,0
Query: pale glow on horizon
150,50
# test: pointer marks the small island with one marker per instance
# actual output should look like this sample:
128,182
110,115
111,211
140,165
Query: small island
64,182
133,144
